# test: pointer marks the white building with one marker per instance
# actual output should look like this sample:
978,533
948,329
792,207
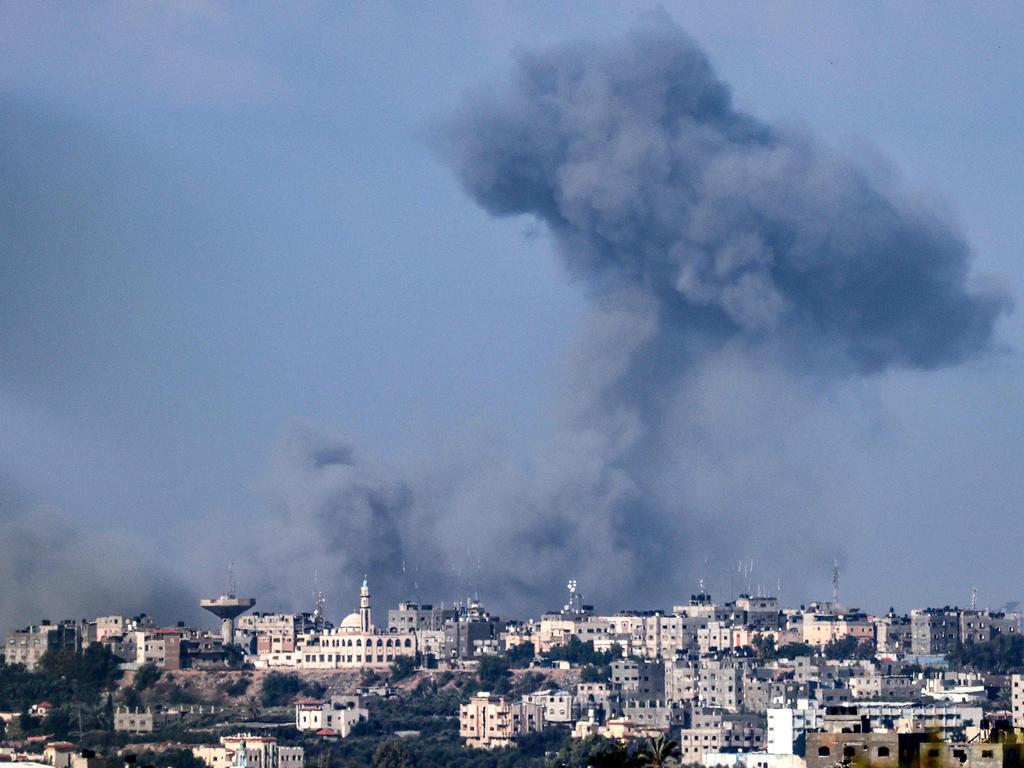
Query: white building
339,714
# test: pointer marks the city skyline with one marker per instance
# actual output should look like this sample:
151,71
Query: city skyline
259,310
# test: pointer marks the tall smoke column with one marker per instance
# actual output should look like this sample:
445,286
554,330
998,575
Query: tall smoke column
730,266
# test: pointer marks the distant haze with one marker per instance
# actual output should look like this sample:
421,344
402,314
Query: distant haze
334,298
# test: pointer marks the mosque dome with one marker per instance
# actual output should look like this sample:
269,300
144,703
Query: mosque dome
351,623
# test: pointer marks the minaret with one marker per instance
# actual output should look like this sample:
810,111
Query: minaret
365,622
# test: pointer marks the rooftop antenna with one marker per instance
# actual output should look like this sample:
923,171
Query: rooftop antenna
319,601
835,583
974,598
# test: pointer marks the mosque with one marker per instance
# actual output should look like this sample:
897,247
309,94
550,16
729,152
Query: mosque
355,643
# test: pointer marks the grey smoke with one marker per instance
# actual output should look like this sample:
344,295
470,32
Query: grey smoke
742,279
633,155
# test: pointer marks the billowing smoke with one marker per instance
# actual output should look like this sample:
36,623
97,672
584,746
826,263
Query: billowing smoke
740,275
56,570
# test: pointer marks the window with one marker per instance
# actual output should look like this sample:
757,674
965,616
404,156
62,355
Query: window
849,751
883,751
824,751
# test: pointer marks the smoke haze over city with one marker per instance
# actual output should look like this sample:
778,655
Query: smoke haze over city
630,299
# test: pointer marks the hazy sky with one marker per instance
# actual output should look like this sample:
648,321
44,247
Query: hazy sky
223,230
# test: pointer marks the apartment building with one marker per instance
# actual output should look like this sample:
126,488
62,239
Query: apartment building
490,721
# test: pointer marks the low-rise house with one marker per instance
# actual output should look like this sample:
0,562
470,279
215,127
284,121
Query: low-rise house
339,714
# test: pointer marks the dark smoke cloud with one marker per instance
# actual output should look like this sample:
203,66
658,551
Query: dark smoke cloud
633,155
54,569
725,260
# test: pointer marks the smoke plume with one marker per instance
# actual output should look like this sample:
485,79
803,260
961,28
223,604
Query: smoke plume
740,276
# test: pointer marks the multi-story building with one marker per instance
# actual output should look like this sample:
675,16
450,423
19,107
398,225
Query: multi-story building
559,706
275,633
721,684
161,647
717,731
639,678
416,617
787,728
27,646
490,721
260,752
1017,700
472,633
893,634
934,631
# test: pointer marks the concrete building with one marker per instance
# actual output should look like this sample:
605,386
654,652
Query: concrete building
474,632
416,617
934,631
655,714
339,714
274,634
894,634
788,726
490,721
559,706
721,684
717,731
355,643
882,750
639,678
161,647
259,752
974,754
1017,700
27,646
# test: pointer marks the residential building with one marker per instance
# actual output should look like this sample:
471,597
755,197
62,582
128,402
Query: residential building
490,721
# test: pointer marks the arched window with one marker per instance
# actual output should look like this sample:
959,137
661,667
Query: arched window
408,643
824,751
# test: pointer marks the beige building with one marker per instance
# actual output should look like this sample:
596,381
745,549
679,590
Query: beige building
260,752
355,643
1017,700
490,721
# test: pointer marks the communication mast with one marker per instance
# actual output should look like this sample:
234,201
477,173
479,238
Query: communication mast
835,583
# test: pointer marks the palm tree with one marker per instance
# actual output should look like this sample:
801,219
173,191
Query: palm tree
660,752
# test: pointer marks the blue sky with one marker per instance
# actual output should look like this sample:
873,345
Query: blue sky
222,223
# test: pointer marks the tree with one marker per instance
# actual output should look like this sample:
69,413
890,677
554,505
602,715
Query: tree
792,650
403,667
764,645
392,754
592,674
492,669
146,676
520,656
279,689
659,752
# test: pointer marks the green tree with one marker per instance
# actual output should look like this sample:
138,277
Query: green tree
392,754
492,669
280,688
520,656
146,676
659,753
403,667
